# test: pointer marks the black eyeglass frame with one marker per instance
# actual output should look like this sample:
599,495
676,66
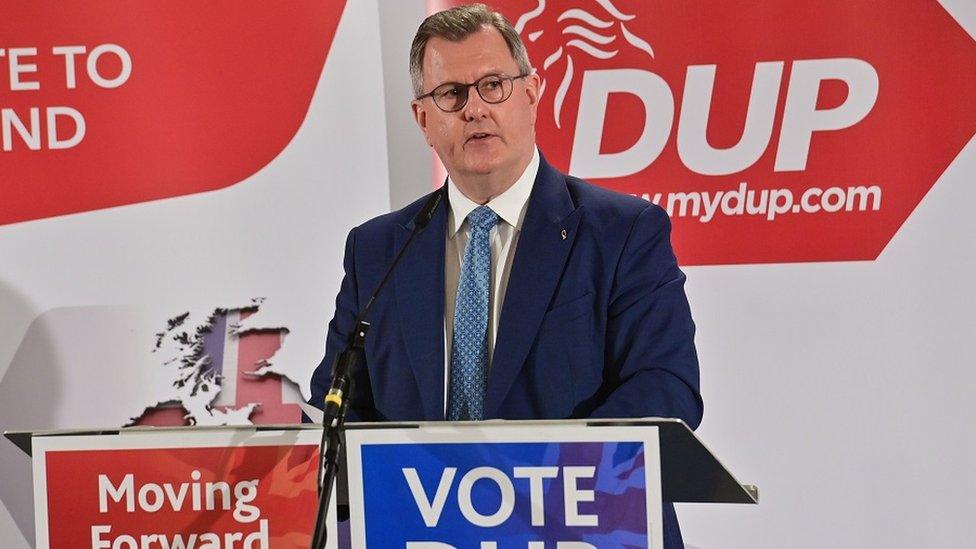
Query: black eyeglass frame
467,90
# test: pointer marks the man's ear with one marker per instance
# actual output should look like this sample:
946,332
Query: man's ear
532,83
420,116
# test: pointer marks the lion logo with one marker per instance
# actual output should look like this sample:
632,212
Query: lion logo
597,32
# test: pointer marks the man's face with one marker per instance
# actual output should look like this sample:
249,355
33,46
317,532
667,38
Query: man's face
481,138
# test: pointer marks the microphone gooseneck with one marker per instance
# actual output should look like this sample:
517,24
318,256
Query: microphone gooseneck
337,399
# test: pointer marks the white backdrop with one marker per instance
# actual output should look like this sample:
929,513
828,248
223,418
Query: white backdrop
840,388
844,389
83,295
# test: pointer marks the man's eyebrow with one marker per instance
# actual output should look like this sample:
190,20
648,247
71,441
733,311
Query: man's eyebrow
489,73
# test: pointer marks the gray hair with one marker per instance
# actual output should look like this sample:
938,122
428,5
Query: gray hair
455,25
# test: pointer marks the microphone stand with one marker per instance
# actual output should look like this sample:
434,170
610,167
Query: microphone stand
332,423
337,399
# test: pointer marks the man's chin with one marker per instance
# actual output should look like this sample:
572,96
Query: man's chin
481,168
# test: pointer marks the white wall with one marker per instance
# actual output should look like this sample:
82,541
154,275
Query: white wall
841,389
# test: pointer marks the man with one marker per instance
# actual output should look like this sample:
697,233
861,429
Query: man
531,294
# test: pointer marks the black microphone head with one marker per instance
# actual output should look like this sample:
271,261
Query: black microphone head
427,212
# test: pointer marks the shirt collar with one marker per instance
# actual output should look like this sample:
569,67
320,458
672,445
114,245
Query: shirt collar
510,205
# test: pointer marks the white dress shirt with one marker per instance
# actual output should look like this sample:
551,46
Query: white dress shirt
510,207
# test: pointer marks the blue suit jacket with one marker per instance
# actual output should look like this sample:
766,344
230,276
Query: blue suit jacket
594,324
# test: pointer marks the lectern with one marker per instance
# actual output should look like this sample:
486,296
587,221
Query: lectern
571,484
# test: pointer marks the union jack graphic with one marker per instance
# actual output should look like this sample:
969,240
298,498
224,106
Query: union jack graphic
216,383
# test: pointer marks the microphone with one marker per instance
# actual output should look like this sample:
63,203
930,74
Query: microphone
337,399
427,212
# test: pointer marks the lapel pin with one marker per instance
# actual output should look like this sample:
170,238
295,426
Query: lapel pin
563,234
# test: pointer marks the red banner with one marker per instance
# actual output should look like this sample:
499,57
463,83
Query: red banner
105,105
804,132
254,496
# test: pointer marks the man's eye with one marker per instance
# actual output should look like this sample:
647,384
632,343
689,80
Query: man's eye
491,85
450,92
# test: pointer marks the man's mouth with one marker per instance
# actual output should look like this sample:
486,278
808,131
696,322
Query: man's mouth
478,136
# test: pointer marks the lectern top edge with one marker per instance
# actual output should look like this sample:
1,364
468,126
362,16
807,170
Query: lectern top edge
691,472
22,437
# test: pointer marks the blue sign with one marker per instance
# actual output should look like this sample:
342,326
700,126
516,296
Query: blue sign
512,494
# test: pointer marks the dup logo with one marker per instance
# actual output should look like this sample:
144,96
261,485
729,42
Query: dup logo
789,135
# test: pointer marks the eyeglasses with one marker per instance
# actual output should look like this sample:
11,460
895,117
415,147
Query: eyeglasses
452,96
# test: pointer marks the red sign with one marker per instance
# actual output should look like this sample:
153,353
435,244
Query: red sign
255,496
803,132
103,104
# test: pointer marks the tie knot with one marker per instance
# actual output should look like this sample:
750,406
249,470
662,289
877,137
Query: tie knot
483,218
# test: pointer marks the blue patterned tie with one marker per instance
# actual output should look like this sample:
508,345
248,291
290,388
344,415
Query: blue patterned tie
469,356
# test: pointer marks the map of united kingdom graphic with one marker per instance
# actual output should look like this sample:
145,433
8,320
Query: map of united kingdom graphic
218,372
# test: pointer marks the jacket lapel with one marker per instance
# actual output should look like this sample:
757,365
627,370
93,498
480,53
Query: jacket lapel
420,307
540,256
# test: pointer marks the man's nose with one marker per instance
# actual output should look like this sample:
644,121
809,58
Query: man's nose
476,107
